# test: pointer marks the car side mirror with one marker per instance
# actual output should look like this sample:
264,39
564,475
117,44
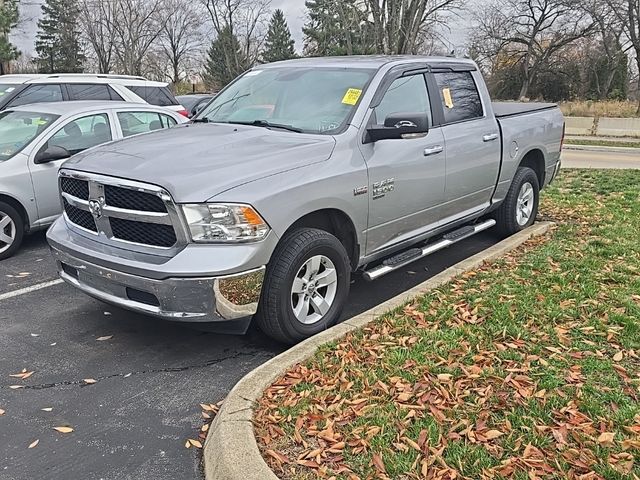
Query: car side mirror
398,126
51,153
199,108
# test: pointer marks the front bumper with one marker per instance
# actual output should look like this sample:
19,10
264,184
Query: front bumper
213,299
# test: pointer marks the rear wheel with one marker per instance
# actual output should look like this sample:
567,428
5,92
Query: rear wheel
520,207
306,286
11,230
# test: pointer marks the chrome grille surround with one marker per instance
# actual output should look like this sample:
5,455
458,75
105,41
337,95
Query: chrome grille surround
170,220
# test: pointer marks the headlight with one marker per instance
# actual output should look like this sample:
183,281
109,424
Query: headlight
224,223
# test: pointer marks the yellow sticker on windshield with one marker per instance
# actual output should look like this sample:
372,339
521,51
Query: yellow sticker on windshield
352,96
448,99
39,121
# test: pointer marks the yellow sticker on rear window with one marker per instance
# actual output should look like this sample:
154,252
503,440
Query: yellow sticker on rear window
448,99
352,96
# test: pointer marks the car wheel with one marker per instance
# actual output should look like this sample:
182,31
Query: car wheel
11,230
306,286
520,208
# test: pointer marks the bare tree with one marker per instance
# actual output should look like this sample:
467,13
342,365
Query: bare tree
628,12
530,32
406,26
181,38
245,19
610,30
97,19
136,25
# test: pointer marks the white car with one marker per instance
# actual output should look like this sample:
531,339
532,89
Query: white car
36,139
16,90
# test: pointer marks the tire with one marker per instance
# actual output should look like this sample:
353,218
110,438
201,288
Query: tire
509,217
303,258
11,226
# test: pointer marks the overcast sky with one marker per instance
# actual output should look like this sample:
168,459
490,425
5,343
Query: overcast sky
294,10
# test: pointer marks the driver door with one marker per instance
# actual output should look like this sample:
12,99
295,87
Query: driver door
406,176
75,136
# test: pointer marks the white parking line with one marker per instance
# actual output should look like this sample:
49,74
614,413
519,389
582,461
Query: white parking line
33,288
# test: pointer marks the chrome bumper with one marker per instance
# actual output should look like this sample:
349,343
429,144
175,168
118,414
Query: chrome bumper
213,299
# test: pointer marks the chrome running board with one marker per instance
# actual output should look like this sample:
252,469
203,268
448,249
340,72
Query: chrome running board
409,256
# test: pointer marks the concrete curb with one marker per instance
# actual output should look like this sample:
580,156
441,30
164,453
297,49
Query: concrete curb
231,451
597,148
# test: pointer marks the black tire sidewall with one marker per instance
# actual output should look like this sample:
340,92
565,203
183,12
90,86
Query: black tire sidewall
506,217
19,223
322,244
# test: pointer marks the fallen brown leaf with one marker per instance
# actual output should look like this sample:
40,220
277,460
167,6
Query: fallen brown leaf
34,444
63,429
194,443
379,464
2,412
618,357
492,434
90,381
106,337
606,439
47,409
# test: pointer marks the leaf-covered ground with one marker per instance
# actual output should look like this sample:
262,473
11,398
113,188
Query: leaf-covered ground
526,368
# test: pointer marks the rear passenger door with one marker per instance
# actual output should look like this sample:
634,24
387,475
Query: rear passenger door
473,146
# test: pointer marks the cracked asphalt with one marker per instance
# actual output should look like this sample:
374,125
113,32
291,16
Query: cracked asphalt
151,375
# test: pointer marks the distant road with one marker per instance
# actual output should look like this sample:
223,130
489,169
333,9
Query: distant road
595,159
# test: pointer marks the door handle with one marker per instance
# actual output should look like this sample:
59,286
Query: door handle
433,150
490,138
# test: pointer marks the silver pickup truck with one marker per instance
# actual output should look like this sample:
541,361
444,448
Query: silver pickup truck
295,176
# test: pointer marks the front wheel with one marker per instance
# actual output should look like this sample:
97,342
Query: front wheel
306,286
520,208
11,230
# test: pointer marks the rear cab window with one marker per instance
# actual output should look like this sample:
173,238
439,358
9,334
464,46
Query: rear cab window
459,95
159,96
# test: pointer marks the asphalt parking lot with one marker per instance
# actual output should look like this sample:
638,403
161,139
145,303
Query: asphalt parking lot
150,375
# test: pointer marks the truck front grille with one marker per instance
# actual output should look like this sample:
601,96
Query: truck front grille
81,218
119,210
133,200
75,187
145,233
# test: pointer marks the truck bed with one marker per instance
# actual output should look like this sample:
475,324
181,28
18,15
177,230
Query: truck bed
509,109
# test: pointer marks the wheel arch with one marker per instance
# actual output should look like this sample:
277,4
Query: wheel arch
535,160
337,223
19,208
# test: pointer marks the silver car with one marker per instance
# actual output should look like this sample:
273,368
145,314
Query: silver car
36,139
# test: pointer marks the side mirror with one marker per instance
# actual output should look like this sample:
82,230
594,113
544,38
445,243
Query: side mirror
199,108
50,154
398,126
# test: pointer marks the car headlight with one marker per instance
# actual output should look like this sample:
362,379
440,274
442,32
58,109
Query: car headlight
224,223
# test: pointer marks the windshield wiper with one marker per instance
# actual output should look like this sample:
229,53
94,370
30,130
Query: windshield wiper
266,124
200,120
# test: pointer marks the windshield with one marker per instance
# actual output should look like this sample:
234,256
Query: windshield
6,89
18,129
310,100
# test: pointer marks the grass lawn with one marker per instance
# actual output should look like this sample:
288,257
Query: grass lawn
602,143
526,368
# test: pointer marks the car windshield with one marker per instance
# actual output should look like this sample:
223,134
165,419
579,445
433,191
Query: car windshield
6,89
303,99
18,129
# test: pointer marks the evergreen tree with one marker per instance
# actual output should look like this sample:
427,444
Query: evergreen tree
225,60
338,27
278,45
8,20
58,40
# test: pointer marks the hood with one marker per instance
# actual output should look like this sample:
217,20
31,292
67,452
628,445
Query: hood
198,161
